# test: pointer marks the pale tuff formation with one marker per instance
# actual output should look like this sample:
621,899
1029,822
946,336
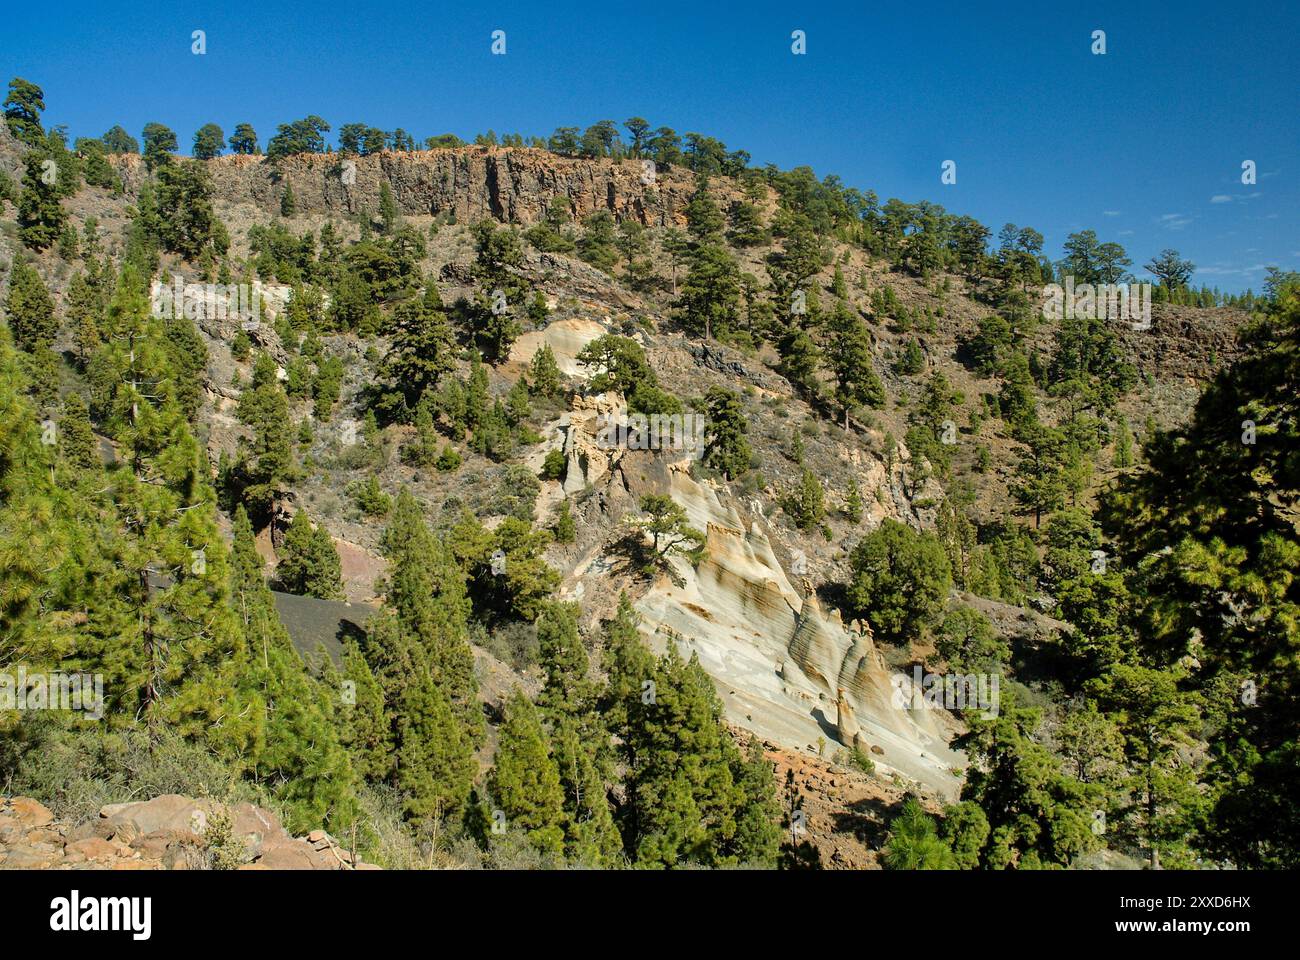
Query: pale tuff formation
169,832
786,668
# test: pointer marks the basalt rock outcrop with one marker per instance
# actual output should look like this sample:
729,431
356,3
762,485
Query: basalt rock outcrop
513,185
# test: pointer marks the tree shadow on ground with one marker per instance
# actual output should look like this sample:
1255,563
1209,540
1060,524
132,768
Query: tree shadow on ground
867,820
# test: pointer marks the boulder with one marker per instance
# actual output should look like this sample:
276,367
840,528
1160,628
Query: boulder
171,811
94,849
28,858
256,826
292,855
27,812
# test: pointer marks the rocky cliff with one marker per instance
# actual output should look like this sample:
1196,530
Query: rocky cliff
514,185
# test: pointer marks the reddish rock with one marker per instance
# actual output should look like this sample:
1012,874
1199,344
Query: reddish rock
27,812
26,858
293,855
170,811
246,819
184,856
155,844
92,848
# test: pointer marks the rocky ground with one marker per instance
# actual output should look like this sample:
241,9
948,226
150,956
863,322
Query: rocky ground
169,832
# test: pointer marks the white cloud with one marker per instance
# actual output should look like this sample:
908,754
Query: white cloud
1110,213
1220,198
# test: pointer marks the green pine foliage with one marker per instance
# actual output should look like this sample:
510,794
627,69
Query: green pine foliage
525,780
900,578
308,562
29,307
690,796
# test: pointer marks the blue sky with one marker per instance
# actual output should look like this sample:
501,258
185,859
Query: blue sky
1143,145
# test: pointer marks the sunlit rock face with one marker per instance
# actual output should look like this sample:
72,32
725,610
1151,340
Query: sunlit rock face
566,338
786,668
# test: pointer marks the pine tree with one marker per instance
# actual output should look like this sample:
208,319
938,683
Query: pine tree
476,395
77,442
85,302
799,360
433,758
426,591
524,780
1208,527
853,503
757,840
900,578
301,752
309,564
704,220
681,770
519,586
670,531
421,351
1039,484
709,303
806,505
544,373
914,842
30,308
856,383
726,448
1123,456
1037,815
501,293
41,216
423,450
266,463
591,837
371,499
388,212
564,528
367,731
566,689
23,108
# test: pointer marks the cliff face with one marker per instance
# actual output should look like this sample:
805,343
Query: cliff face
511,185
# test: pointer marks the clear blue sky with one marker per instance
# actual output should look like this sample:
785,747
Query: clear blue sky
1144,144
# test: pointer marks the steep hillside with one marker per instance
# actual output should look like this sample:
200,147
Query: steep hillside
768,606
